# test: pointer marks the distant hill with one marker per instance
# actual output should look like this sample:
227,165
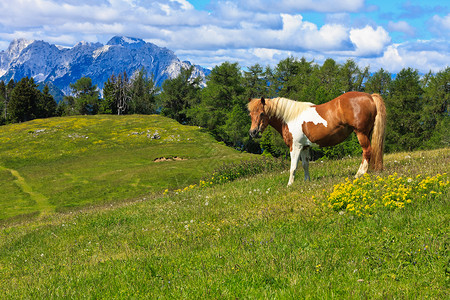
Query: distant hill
46,62
59,163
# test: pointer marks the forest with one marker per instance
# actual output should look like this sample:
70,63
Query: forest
417,104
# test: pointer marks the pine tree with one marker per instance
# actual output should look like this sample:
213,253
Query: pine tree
22,105
178,94
143,93
108,103
330,86
3,103
352,77
46,105
116,95
236,128
282,80
378,83
122,94
86,96
255,82
435,117
223,92
404,109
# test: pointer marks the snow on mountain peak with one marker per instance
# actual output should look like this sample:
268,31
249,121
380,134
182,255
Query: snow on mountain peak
84,44
17,45
123,40
64,66
99,51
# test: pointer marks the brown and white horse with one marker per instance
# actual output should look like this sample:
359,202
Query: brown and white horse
303,124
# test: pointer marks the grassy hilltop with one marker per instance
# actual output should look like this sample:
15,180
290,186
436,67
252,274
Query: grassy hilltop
384,236
54,164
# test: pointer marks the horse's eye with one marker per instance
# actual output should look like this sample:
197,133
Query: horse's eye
261,115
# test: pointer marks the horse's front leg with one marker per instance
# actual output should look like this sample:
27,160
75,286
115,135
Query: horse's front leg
295,155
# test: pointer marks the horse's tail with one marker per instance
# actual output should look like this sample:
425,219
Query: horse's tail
376,161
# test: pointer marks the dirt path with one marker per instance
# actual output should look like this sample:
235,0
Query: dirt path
42,203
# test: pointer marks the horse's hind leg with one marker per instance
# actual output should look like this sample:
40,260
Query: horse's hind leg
364,141
304,154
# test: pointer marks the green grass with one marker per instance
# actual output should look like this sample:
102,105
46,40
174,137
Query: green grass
62,163
251,238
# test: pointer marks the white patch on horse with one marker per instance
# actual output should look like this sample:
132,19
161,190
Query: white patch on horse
311,115
362,169
298,137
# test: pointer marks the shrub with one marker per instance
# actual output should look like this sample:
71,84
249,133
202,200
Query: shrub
230,172
233,171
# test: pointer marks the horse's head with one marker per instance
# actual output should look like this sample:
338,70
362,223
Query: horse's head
260,119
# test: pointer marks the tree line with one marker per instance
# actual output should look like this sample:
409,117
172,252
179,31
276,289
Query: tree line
417,106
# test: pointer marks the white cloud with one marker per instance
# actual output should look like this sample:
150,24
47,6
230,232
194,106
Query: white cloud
401,26
440,25
176,24
332,36
185,5
295,34
392,58
368,41
265,54
399,56
246,31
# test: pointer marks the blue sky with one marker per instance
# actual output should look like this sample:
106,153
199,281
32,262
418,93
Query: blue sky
380,34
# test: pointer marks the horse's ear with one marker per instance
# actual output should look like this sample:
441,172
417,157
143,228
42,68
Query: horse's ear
249,99
263,101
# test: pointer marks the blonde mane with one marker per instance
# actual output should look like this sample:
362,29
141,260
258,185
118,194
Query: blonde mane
285,109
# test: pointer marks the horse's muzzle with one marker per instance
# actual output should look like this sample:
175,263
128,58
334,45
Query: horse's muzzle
254,133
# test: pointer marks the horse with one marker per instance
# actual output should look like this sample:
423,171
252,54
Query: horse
304,124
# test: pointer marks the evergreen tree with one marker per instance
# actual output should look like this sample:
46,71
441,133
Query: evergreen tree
116,95
108,104
3,103
6,95
282,80
86,96
236,127
352,77
304,81
378,83
255,82
67,107
122,94
218,99
22,105
272,143
330,86
46,106
143,94
178,94
435,117
404,109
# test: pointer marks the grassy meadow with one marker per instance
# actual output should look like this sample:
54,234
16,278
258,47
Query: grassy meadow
250,238
57,164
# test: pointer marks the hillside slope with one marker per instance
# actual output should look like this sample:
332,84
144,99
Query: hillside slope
58,163
252,239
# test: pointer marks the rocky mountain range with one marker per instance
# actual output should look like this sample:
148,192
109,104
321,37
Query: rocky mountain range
48,63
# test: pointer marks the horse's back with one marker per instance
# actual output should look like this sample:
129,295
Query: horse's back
355,109
352,111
